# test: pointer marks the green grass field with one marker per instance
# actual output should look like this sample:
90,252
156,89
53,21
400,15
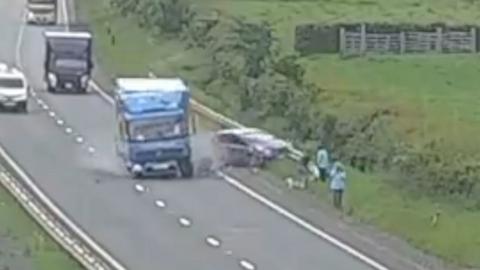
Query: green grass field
24,245
436,96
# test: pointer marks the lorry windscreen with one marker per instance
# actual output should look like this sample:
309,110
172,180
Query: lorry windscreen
157,129
66,45
42,9
71,64
41,1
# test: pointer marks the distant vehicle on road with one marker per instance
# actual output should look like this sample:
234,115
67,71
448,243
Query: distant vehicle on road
248,147
153,126
41,12
14,89
68,61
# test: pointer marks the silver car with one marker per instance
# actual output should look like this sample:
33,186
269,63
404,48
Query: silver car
247,147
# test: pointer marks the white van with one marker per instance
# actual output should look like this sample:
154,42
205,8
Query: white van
13,89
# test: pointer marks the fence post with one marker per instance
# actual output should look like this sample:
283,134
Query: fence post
473,35
438,45
402,42
343,38
363,38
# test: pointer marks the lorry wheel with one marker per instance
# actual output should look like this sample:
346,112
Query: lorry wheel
22,107
136,174
186,168
50,89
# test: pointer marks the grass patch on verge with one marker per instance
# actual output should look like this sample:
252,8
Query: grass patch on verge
25,244
434,95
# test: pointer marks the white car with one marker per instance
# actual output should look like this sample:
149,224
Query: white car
13,89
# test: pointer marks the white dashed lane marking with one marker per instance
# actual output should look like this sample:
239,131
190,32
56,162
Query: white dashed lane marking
160,203
247,265
212,241
140,188
185,222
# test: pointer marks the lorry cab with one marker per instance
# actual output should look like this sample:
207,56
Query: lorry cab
152,116
41,12
68,61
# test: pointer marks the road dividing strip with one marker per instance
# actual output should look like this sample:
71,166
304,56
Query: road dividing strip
80,245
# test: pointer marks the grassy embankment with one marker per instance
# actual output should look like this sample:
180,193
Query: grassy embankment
24,245
435,95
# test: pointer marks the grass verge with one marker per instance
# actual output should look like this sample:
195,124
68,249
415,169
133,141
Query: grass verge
397,81
24,245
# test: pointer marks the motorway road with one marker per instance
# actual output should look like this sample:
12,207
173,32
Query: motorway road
94,190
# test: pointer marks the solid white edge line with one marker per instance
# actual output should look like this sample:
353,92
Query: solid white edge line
65,14
18,47
57,212
304,224
280,210
101,92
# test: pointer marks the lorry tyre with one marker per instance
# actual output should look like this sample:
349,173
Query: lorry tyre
136,175
50,89
186,168
22,107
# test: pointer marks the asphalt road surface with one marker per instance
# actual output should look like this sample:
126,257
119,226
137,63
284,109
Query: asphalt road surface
96,192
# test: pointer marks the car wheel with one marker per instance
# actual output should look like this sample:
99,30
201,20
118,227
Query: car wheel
186,168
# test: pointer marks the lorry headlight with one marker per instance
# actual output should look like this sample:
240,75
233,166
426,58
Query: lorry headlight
52,78
30,15
137,168
84,80
177,129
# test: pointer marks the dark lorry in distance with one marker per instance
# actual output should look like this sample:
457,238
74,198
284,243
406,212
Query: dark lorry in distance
41,12
68,61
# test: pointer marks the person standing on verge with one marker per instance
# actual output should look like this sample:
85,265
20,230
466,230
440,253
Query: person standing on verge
322,162
338,177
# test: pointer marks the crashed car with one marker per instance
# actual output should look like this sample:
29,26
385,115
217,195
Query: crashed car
247,147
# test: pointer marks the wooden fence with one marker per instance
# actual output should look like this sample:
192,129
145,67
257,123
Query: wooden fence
385,39
440,41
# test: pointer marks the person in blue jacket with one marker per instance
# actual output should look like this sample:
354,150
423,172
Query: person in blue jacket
338,177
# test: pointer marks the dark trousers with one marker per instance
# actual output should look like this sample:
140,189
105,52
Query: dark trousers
337,198
323,174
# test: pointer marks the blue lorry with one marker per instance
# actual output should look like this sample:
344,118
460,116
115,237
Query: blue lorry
153,126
